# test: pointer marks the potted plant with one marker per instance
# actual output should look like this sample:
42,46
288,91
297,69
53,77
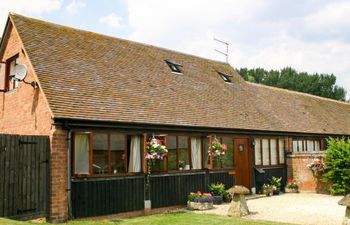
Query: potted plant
217,190
292,186
267,189
200,201
276,185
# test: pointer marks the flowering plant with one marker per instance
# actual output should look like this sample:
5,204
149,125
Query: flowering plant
218,151
292,184
155,150
200,197
317,166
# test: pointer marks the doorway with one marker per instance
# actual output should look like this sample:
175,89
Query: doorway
242,162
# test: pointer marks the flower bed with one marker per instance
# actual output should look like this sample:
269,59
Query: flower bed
200,201
292,186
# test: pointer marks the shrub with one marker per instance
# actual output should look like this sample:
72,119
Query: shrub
276,182
338,166
217,189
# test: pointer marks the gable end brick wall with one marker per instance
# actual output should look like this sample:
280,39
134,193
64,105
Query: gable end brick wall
24,111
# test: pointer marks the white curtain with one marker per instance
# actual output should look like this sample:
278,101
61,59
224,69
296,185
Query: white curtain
81,154
196,153
135,155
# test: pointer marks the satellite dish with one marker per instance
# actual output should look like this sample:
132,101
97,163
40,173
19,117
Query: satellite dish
20,72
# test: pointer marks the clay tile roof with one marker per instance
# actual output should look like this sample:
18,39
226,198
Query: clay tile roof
89,76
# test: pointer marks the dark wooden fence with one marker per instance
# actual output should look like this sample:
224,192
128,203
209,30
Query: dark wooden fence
95,197
103,196
24,176
264,175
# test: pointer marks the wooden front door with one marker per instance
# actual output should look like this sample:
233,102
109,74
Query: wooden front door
242,161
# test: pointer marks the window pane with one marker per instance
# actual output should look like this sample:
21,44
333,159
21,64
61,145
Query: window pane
281,150
295,146
196,152
82,154
257,152
310,146
184,157
118,156
317,145
171,141
266,157
273,146
228,157
100,153
300,146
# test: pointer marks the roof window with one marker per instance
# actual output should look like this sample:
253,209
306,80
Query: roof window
226,77
174,66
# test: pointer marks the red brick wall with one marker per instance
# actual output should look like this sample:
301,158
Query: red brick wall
297,169
59,200
25,111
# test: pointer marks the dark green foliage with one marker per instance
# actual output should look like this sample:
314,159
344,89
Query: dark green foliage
217,189
317,84
338,165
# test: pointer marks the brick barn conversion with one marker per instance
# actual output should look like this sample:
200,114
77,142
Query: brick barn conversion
73,132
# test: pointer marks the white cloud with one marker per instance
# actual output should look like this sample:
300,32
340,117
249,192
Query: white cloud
333,15
260,33
75,6
112,20
26,7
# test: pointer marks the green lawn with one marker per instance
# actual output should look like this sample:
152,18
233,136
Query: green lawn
182,218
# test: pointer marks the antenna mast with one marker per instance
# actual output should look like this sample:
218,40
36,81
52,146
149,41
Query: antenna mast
223,53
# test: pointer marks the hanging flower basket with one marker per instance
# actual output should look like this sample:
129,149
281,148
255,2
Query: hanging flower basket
317,167
218,151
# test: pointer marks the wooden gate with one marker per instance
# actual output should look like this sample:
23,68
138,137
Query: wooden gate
24,176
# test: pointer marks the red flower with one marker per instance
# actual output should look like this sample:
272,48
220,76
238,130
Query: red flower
290,180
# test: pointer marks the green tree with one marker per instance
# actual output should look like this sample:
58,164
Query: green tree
323,85
338,165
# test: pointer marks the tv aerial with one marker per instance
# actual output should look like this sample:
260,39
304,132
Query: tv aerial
221,52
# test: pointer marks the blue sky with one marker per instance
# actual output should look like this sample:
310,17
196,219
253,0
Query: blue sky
309,35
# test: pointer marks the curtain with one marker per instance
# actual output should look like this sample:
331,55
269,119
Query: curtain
135,155
81,154
196,153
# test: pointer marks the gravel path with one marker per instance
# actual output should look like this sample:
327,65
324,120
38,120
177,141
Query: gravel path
302,208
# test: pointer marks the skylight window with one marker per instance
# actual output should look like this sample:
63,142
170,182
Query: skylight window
174,66
226,77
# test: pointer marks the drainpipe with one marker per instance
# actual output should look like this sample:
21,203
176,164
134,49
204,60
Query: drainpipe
69,182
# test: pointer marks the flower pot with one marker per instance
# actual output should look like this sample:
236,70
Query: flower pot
276,192
291,190
217,199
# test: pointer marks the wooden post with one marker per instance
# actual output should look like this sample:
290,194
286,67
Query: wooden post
211,152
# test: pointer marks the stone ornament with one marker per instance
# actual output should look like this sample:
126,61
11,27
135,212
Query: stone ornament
346,202
238,207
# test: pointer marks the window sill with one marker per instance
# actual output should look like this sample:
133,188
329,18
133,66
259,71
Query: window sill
106,175
270,166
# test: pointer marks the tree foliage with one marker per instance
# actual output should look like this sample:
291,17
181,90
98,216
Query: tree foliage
288,78
338,165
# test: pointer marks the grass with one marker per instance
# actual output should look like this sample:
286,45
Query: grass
183,218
